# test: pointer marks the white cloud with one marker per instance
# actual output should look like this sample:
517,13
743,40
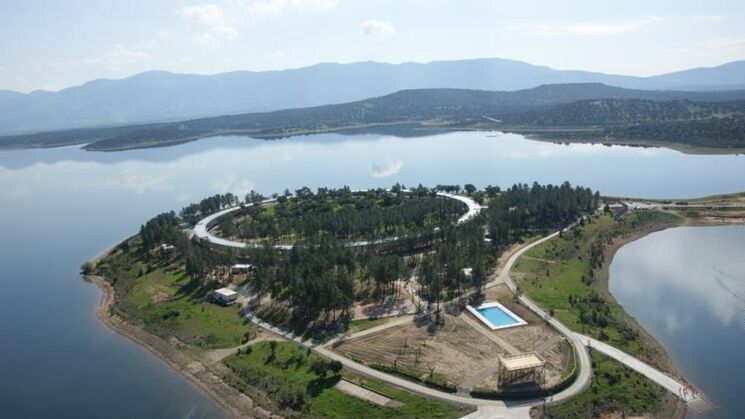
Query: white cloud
269,8
218,26
713,51
121,56
594,28
164,34
389,168
708,18
377,28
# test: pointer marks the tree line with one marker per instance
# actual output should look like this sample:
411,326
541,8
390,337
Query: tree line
344,215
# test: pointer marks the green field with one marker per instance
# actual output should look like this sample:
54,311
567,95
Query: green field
287,381
568,276
160,296
364,324
564,277
615,388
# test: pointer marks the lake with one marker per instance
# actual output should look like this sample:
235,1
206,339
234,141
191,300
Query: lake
61,207
686,286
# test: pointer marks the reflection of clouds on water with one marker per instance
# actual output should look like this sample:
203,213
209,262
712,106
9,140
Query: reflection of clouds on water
138,182
199,168
671,273
389,168
542,149
230,183
732,282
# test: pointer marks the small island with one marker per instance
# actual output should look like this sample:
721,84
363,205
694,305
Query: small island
400,302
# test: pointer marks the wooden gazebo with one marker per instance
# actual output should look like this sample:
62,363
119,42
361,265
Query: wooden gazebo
525,368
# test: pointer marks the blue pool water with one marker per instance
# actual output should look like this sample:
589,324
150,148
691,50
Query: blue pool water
497,316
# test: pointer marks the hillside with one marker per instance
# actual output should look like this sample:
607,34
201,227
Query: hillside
159,96
569,111
701,124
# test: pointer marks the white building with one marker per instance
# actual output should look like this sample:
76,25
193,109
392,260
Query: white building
240,268
224,296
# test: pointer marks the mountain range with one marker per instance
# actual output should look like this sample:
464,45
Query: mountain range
162,96
567,112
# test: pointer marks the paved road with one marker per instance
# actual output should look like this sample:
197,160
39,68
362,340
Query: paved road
494,408
641,205
201,229
647,370
487,408
585,365
497,406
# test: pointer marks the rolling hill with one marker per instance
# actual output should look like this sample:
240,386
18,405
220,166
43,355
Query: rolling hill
566,111
159,96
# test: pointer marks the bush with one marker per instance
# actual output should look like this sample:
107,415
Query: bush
87,268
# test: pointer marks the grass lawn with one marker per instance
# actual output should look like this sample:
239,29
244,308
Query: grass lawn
615,388
160,296
364,324
198,323
158,284
287,379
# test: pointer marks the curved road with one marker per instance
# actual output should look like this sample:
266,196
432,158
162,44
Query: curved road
497,408
201,229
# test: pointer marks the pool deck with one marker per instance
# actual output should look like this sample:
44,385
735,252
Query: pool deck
505,310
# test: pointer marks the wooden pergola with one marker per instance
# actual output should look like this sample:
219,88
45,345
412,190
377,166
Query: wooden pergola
521,369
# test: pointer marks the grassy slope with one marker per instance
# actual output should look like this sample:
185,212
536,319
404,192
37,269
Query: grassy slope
159,296
288,374
560,268
615,388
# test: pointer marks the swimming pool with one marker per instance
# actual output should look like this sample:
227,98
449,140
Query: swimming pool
496,316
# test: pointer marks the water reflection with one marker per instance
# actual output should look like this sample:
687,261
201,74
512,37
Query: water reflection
63,206
687,287
237,164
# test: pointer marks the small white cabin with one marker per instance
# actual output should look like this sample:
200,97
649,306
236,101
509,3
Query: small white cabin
165,247
224,296
240,268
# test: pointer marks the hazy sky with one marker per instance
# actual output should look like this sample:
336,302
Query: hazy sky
52,44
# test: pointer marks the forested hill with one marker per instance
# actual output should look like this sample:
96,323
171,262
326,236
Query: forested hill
593,109
702,124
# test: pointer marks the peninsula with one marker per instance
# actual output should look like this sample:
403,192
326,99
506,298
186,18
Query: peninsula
401,302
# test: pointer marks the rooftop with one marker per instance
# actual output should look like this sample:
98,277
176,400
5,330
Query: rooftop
227,292
521,362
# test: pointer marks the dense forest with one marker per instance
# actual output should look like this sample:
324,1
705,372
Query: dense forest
664,113
712,124
318,280
344,215
321,277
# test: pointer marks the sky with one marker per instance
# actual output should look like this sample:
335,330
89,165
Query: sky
52,44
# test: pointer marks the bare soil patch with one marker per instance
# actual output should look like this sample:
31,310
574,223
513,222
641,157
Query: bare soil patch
457,350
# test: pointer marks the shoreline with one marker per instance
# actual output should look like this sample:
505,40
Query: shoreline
237,405
661,352
609,253
199,374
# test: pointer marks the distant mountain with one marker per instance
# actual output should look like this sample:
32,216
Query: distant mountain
725,76
162,96
569,106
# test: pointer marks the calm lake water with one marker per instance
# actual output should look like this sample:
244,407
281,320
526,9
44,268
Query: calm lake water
687,287
61,207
